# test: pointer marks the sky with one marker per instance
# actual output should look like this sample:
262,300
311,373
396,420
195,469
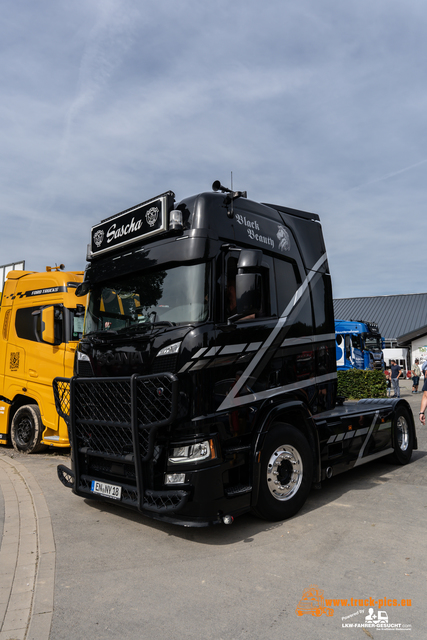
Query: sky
319,106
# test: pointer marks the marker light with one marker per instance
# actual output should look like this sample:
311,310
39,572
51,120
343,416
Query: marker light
175,220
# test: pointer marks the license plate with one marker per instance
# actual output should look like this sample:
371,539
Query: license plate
108,490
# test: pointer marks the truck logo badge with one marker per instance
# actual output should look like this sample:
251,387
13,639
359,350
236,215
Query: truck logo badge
284,239
14,361
98,237
151,216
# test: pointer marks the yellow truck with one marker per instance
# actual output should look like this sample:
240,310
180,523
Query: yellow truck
41,322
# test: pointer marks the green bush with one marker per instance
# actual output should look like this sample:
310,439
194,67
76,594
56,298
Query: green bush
359,383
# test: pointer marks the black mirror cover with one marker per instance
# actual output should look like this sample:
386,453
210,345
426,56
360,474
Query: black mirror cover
248,293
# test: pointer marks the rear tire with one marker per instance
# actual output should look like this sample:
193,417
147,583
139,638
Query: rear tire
27,429
402,437
286,473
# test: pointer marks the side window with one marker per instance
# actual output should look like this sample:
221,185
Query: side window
356,342
286,283
230,286
321,292
348,347
28,325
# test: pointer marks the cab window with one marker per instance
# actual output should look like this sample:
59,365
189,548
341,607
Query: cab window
28,325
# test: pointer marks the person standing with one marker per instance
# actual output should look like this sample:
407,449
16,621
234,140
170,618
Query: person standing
423,404
396,372
388,381
416,372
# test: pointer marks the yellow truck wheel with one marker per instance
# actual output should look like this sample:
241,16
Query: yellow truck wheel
26,429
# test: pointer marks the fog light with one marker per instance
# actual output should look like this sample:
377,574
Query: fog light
175,478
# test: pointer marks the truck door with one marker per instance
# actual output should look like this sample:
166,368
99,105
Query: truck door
239,372
43,361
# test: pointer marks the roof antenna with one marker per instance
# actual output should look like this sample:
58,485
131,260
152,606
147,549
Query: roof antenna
231,180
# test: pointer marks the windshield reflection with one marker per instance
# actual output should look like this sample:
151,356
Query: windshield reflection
142,300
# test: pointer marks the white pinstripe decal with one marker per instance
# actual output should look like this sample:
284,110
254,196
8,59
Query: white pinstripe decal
231,400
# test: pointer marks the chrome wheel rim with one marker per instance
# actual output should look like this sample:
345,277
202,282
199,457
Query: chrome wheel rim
284,472
402,433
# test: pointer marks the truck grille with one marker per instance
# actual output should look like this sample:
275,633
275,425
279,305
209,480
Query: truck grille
114,422
113,416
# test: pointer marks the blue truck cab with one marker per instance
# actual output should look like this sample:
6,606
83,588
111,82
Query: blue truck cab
358,345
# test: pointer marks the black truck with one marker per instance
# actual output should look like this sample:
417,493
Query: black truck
205,382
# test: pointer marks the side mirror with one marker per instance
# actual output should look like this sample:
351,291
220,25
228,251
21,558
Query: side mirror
47,323
248,293
250,259
82,289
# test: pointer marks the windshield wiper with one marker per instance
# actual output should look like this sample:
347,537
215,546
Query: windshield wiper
104,332
164,323
136,328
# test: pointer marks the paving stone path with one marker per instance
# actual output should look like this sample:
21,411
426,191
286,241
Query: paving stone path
27,556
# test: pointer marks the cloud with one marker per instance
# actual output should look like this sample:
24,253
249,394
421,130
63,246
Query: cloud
315,106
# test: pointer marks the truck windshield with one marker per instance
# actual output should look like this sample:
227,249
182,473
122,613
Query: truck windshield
140,300
373,344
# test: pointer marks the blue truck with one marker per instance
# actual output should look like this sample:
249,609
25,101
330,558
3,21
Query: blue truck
359,345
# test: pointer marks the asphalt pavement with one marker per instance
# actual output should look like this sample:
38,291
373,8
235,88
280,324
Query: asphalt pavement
72,569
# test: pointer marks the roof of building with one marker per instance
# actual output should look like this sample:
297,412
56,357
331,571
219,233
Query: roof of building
395,315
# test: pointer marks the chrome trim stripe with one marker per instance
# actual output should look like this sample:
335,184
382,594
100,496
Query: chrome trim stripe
232,348
361,432
348,435
365,442
270,393
373,456
254,346
199,353
291,342
212,352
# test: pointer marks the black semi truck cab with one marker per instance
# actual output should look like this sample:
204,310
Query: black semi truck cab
205,381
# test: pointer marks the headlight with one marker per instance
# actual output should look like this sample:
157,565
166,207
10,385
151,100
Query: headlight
170,350
192,453
82,356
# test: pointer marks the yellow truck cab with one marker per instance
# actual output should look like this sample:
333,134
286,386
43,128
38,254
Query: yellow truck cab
41,322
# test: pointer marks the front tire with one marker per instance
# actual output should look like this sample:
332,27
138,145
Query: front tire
27,429
402,437
286,473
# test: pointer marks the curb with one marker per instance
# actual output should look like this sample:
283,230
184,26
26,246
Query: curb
27,556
